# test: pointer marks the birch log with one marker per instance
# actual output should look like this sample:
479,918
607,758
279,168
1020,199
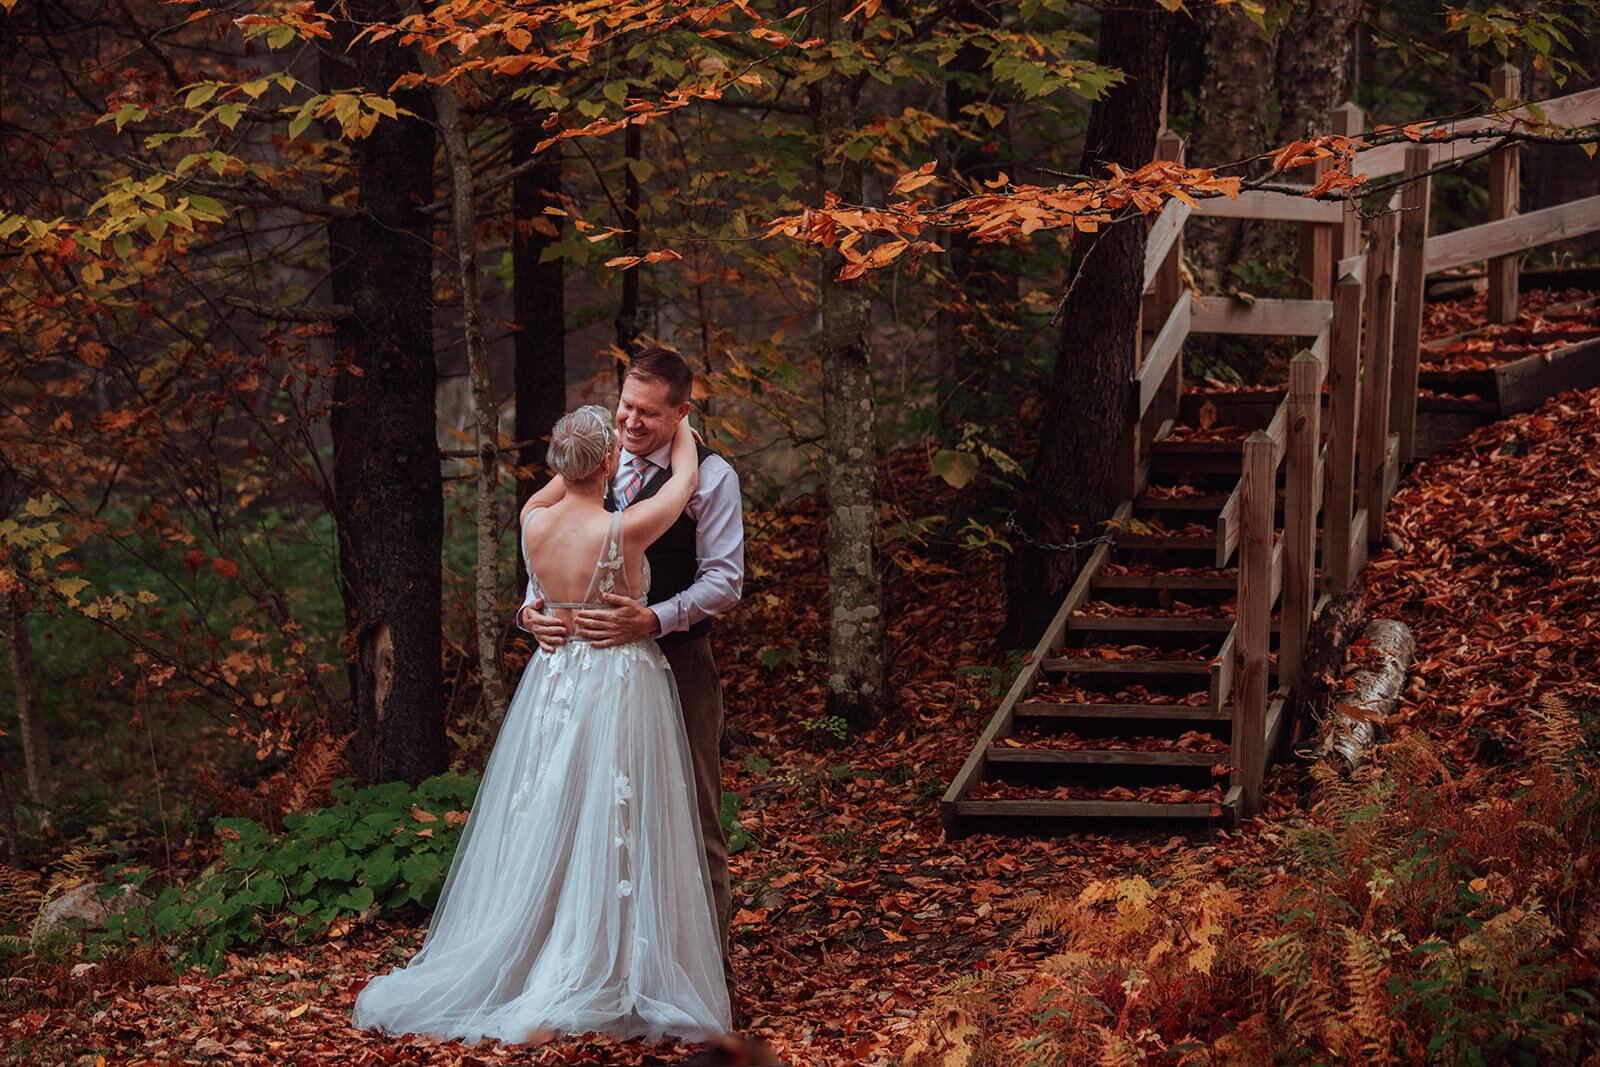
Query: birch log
1351,728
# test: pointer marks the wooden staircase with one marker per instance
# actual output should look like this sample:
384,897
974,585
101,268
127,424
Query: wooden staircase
1123,713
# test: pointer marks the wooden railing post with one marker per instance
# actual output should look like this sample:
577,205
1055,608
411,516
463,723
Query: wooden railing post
1344,376
1301,494
1257,488
1348,121
1377,361
1505,177
1410,279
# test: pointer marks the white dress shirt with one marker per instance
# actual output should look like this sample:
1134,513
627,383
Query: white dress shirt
718,515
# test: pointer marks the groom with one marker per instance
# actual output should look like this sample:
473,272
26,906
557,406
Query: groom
697,571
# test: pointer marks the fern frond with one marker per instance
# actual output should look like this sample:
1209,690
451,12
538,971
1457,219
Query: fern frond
1365,970
1553,735
20,896
1115,1050
315,765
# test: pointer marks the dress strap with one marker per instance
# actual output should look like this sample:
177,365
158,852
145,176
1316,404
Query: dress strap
608,568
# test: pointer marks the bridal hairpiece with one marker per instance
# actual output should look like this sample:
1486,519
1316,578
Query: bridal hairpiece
580,442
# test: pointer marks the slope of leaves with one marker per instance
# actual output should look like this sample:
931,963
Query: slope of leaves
863,936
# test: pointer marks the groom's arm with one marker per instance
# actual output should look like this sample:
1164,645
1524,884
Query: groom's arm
719,550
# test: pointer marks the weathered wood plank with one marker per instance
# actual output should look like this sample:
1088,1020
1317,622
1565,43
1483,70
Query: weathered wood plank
1228,529
1575,109
1163,237
1255,609
1270,318
1511,235
1343,418
1377,359
1102,757
1150,624
1042,711
1299,516
1080,665
1163,354
1505,177
1219,583
1410,277
1223,669
1081,809
1273,205
1529,382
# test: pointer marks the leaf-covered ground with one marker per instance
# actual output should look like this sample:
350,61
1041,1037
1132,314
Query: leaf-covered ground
853,911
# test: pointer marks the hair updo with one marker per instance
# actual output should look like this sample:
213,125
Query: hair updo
580,442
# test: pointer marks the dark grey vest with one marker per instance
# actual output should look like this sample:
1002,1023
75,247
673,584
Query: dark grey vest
673,559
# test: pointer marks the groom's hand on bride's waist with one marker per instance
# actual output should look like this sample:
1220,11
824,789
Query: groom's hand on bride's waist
626,620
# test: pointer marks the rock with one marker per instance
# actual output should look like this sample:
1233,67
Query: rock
82,904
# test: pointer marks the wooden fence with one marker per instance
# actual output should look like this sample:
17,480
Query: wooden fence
1338,438
1367,347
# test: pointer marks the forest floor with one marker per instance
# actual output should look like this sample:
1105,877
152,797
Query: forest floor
853,911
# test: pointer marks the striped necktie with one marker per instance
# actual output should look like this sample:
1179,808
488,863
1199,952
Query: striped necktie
638,465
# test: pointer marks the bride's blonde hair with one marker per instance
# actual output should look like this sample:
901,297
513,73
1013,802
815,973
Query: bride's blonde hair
580,442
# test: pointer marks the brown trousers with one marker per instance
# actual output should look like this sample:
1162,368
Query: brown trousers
700,693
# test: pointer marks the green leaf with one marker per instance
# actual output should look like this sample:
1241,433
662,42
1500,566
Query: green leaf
200,94
956,468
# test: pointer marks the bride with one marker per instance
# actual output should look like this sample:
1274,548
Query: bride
578,900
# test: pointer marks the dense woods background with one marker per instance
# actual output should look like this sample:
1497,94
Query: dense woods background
294,290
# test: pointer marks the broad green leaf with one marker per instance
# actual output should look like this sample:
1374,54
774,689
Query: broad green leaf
956,468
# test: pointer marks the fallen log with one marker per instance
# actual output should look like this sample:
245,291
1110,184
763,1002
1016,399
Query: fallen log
1326,643
1355,724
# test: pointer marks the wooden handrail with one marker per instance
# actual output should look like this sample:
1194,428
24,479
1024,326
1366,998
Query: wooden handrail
1516,234
1272,205
1576,109
1162,236
1163,353
1271,318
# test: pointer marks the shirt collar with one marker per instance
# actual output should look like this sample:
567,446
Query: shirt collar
661,457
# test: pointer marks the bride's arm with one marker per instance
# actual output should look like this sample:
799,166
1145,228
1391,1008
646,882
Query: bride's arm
548,494
648,519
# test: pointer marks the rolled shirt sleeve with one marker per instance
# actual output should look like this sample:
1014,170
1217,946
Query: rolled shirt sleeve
718,582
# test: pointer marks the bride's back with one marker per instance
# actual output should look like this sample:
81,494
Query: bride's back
562,545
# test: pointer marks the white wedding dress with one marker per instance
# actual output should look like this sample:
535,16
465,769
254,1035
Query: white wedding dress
578,899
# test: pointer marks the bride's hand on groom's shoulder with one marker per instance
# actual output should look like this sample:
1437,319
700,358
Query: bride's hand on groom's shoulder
627,620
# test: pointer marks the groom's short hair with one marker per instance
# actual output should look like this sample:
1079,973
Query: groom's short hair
663,365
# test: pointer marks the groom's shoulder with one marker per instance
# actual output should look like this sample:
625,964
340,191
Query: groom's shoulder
713,465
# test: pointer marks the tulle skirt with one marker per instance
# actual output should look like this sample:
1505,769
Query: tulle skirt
578,900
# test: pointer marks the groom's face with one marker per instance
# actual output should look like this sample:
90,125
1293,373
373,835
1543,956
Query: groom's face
646,416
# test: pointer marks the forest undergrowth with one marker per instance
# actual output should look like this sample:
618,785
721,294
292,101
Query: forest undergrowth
1438,906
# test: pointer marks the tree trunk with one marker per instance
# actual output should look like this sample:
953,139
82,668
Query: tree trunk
388,498
538,299
1230,124
464,216
1314,55
14,606
857,687
30,707
1073,488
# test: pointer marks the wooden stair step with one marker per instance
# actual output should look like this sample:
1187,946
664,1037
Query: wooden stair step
1041,711
1169,542
1219,583
1178,446
976,810
1198,668
1101,757
1196,502
1204,625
